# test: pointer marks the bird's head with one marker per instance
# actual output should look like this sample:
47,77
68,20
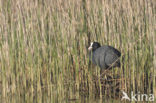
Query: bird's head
93,46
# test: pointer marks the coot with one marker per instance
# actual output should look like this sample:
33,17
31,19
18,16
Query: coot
106,57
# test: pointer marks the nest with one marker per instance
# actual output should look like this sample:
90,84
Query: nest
109,84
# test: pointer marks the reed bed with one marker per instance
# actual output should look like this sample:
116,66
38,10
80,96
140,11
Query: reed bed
43,46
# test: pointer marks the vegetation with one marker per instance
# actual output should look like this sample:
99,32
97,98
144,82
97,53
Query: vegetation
43,47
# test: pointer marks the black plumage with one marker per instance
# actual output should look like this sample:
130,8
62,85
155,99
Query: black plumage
105,56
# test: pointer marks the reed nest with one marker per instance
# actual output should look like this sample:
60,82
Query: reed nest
107,84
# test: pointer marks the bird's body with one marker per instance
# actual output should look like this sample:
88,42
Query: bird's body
105,56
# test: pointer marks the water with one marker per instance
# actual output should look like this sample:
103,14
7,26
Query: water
56,98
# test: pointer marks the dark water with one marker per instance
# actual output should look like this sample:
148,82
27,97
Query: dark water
56,98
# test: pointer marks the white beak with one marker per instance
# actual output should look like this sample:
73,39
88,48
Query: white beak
90,48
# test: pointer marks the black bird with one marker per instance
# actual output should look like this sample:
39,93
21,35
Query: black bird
106,57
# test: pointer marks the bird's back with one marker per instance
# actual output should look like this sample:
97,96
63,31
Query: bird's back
105,56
